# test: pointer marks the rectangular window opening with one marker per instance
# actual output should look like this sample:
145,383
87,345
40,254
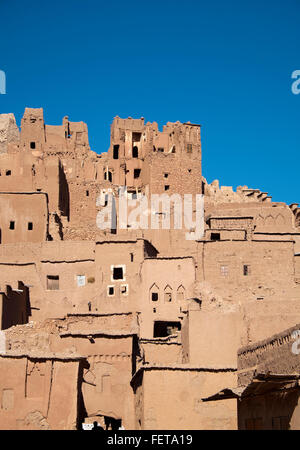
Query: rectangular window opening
215,236
124,289
111,290
246,269
164,329
116,152
52,282
154,296
30,226
11,225
136,173
118,273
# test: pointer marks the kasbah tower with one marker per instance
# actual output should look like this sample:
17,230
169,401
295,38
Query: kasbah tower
140,328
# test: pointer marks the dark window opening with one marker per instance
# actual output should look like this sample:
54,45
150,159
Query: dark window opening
163,329
166,175
116,152
167,187
246,270
123,289
154,310
118,273
8,172
32,145
215,236
11,225
154,296
108,176
111,290
136,137
168,296
136,173
30,226
131,257
87,193
160,149
52,282
135,152
189,148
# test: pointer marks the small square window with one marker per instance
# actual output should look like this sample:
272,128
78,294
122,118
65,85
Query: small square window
124,289
118,273
136,173
11,225
166,175
52,282
168,296
8,173
32,145
246,269
215,236
30,226
167,187
110,291
154,296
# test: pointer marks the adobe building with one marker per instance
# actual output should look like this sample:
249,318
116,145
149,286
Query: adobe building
136,327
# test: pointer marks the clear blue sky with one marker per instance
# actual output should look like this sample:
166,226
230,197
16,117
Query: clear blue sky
224,64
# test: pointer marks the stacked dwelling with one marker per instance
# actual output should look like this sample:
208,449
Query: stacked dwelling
129,326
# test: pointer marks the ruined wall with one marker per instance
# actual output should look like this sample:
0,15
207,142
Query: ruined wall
38,393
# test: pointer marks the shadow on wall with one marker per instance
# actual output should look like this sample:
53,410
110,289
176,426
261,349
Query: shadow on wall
64,195
15,306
